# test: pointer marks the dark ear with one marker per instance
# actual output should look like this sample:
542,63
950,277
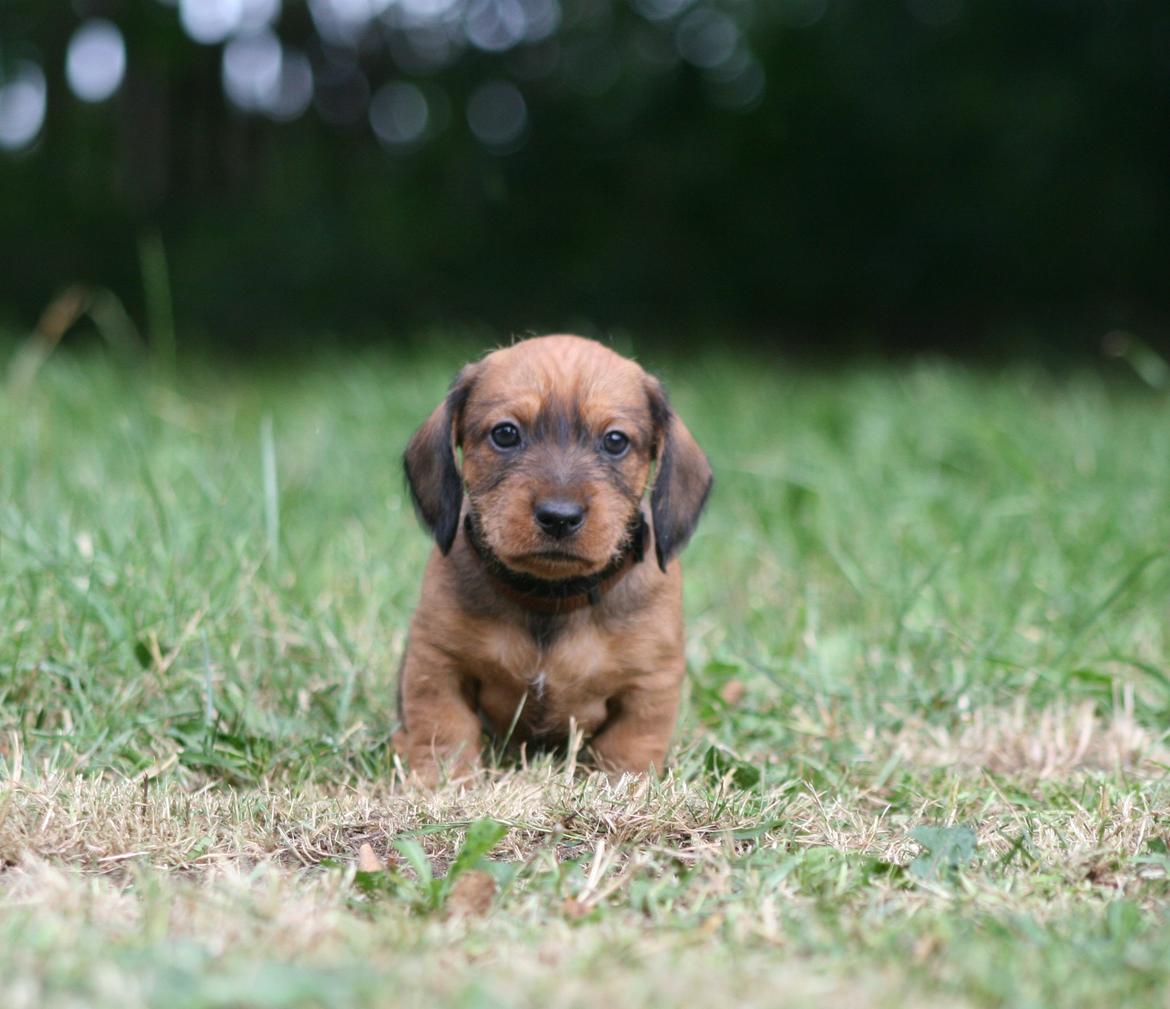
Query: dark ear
682,483
436,488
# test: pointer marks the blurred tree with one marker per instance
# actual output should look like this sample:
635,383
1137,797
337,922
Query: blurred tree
919,169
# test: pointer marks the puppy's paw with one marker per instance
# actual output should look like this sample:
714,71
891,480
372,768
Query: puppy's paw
430,772
617,771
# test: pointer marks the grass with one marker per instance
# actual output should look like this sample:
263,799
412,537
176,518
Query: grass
922,759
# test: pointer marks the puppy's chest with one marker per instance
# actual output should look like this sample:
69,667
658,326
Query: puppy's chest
550,679
550,660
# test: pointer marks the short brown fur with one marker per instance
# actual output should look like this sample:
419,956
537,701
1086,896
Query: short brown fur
481,652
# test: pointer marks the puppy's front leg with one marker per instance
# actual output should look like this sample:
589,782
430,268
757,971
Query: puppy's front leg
638,733
442,729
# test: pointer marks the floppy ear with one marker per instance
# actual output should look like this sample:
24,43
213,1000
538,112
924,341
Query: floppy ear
436,488
682,483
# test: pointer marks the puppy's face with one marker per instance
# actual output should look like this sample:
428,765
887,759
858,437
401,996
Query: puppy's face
558,438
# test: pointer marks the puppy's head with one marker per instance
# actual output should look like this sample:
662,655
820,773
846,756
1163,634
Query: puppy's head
558,436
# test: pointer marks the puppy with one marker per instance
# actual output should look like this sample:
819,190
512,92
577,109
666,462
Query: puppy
553,597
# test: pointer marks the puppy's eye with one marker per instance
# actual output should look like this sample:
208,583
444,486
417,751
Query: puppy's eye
505,436
615,443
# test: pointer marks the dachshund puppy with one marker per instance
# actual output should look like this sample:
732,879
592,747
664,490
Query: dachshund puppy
553,598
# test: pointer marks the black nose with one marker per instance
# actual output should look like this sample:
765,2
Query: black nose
559,518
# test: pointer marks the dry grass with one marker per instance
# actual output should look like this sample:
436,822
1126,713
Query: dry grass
1054,742
1007,760
98,823
153,869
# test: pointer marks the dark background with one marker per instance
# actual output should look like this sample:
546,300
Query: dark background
963,175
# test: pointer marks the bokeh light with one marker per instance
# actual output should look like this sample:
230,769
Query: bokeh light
343,22
210,21
497,115
660,10
258,14
424,37
706,38
499,25
544,18
425,48
423,11
23,97
738,84
252,70
495,25
95,61
294,90
399,114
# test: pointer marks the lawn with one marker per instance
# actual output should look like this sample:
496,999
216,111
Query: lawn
922,760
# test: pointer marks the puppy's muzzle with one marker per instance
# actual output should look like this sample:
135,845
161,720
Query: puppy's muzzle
559,518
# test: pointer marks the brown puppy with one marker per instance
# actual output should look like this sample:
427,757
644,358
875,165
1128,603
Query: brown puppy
541,606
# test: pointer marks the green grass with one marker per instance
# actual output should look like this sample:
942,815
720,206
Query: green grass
923,597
